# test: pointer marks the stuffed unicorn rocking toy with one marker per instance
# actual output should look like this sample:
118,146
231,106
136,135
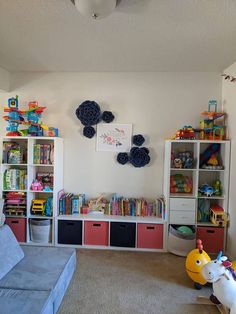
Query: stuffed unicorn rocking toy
223,279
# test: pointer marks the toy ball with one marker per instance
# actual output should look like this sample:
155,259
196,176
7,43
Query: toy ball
195,260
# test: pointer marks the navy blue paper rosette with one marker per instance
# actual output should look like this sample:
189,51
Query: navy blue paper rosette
89,131
122,158
89,113
139,157
138,140
107,116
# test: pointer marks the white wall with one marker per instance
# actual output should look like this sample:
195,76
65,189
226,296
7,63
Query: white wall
4,80
156,104
229,99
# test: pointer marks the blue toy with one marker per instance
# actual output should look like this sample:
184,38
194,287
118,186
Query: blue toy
206,189
48,206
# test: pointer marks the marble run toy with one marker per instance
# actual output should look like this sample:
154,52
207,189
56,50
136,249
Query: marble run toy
28,117
213,126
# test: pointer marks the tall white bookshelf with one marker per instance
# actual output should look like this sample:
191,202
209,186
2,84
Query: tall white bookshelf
183,208
55,168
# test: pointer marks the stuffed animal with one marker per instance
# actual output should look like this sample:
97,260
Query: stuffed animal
223,279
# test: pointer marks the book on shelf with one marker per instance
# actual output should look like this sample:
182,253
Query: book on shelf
15,179
70,204
120,206
41,154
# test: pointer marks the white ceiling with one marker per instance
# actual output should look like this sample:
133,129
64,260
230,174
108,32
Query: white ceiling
141,35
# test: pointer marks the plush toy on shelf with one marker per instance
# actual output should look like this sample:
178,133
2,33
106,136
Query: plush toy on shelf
220,273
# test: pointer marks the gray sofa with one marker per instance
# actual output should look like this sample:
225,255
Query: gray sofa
37,278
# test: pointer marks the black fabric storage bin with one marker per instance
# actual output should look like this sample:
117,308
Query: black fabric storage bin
70,232
122,234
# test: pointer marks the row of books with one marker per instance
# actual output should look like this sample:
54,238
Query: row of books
121,206
42,154
15,179
70,204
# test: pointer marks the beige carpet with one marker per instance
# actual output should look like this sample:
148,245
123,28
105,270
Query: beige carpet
113,282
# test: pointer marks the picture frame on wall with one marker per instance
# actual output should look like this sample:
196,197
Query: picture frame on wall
114,137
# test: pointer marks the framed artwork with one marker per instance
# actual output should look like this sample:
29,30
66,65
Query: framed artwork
114,137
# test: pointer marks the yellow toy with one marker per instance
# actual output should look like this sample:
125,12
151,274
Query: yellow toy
195,260
234,265
218,216
38,206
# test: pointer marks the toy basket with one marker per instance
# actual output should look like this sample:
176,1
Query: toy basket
40,230
179,242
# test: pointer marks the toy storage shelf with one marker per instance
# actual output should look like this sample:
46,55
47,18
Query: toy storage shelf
210,163
53,165
111,232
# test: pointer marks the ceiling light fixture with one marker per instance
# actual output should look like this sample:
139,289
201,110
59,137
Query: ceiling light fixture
96,9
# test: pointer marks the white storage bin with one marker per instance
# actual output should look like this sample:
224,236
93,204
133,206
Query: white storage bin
40,230
181,243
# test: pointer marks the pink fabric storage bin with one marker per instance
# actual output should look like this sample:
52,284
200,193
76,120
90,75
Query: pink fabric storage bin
150,236
18,227
96,233
212,238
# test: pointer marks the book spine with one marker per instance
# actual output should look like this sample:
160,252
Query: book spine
37,153
45,158
41,154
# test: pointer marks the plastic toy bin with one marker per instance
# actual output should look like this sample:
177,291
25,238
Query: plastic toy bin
212,238
122,234
150,236
96,233
70,232
40,230
18,227
180,243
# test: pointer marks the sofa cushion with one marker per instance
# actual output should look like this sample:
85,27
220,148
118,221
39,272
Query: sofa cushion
10,251
15,301
39,270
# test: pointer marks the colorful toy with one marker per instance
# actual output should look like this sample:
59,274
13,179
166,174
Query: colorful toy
207,154
180,184
28,117
213,126
217,188
36,185
97,205
186,133
206,190
195,260
218,216
15,203
219,272
38,206
48,206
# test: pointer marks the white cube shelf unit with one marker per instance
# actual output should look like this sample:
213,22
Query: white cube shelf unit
188,206
111,232
32,166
